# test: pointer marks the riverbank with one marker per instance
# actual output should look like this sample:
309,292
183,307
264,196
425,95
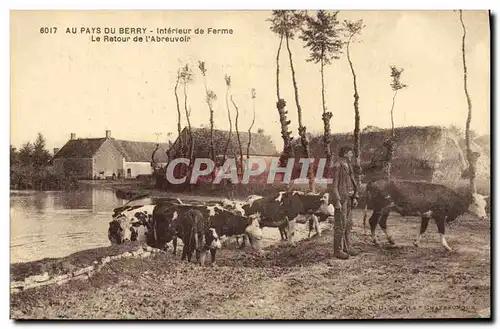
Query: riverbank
129,189
303,281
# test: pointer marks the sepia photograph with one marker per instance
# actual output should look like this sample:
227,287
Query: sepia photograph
250,164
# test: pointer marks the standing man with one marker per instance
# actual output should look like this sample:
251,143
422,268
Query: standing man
344,194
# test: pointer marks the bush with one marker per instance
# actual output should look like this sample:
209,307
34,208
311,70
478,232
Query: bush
24,179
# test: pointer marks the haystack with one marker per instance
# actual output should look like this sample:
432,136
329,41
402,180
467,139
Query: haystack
430,153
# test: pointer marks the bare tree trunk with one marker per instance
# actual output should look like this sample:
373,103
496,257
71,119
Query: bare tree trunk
238,136
470,156
230,124
190,132
302,128
278,68
212,151
392,113
250,131
357,141
210,108
181,142
153,162
284,122
327,116
390,143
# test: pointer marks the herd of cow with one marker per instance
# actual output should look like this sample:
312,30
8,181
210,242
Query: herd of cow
202,226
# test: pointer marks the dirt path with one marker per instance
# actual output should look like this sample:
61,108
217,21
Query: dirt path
291,282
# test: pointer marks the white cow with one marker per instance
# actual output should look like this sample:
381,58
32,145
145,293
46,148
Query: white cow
130,223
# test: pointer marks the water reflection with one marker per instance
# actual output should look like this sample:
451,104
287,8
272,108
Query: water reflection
39,202
55,224
75,200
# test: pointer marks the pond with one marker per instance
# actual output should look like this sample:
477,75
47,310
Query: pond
56,224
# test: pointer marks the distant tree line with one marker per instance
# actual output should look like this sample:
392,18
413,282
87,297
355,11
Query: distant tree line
30,168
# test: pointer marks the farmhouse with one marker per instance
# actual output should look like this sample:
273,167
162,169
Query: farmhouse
89,158
261,146
430,153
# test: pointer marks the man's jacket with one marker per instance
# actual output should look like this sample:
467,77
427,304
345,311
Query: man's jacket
343,184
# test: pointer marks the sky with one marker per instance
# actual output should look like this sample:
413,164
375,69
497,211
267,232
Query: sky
64,83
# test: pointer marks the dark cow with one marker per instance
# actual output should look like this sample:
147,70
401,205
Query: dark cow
427,200
165,224
229,224
315,206
226,222
270,212
197,235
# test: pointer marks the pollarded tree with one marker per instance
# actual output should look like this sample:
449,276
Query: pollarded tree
353,29
228,87
389,144
210,97
240,166
472,157
293,22
187,77
322,37
179,127
396,86
279,26
254,95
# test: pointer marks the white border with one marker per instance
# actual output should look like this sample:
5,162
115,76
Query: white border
213,5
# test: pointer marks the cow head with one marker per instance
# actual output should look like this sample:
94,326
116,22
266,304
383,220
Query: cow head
279,198
255,217
212,239
325,199
477,207
120,230
328,209
166,229
254,232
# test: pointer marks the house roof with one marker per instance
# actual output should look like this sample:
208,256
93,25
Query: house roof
141,151
80,148
132,151
261,144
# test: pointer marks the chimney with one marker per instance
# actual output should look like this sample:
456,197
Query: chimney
108,133
56,150
72,136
